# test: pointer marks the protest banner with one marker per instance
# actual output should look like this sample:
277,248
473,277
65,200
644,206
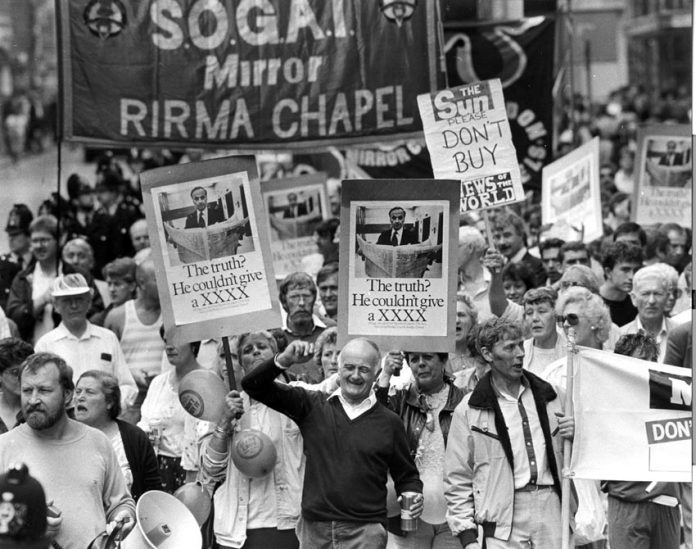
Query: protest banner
521,54
663,175
570,195
294,207
468,136
254,75
632,419
398,289
214,276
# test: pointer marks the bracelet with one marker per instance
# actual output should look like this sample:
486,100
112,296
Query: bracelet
220,432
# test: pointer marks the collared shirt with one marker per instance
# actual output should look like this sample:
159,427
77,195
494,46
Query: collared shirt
97,349
526,437
355,410
661,338
519,255
398,234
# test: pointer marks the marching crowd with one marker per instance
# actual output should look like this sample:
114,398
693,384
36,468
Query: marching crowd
467,446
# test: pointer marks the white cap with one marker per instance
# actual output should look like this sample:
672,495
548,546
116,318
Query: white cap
70,284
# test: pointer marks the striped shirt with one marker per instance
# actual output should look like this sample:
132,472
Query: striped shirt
141,343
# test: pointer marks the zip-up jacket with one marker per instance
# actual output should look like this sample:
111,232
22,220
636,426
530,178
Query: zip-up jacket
479,470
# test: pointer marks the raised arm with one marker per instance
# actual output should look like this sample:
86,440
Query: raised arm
494,261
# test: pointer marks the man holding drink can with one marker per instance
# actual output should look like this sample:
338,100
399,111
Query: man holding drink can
351,443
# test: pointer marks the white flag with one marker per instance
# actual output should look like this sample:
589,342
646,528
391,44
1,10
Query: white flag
632,419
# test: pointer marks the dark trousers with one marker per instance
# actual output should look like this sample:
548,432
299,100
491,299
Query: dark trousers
642,525
338,534
267,538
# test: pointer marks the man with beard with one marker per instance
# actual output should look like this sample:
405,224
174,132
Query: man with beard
297,294
75,464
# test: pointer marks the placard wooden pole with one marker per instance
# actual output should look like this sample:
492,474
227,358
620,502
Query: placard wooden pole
489,232
228,363
567,444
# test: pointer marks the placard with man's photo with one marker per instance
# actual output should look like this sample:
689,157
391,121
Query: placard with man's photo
214,269
663,175
295,206
397,277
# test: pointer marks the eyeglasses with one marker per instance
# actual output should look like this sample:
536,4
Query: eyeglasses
571,318
565,284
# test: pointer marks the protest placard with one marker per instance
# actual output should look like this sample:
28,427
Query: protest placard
468,135
398,262
254,75
663,175
211,248
641,432
570,195
294,207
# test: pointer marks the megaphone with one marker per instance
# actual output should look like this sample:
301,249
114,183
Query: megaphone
202,394
162,522
253,453
196,499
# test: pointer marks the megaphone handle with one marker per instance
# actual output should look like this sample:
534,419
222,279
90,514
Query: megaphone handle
228,363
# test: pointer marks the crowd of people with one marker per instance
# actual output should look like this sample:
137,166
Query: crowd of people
466,445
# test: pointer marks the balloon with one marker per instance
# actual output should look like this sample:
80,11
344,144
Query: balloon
196,499
202,394
253,453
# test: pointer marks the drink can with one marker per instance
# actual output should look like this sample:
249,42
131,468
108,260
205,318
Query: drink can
408,524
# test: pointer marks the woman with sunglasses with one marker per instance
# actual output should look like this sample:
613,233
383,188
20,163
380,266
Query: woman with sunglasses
586,313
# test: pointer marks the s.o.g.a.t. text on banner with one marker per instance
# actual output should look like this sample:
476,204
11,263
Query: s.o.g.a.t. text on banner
244,74
397,263
210,245
469,139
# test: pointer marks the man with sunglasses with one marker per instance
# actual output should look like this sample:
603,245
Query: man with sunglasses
505,441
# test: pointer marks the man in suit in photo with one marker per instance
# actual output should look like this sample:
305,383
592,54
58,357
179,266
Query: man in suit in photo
397,235
671,157
294,209
204,214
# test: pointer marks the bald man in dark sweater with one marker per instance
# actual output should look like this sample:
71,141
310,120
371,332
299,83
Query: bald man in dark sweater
351,442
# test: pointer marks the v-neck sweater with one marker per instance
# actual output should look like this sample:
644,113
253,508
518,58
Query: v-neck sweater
347,460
